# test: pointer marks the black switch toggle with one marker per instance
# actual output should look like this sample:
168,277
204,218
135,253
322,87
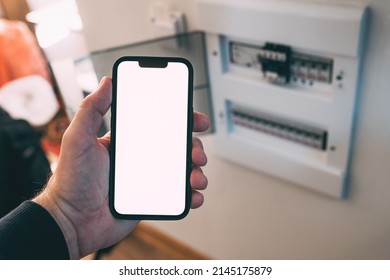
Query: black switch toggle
275,62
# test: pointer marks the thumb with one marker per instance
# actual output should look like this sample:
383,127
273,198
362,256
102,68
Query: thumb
89,117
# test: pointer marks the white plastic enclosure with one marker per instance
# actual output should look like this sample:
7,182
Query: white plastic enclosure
284,84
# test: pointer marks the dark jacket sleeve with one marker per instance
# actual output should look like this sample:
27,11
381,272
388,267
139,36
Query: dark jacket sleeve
30,232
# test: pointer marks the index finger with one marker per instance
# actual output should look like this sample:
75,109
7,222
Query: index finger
201,122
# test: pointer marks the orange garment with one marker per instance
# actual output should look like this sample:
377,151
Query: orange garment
20,54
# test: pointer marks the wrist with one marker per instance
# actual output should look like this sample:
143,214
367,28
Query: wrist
47,200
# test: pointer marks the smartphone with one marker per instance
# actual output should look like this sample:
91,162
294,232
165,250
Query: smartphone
151,138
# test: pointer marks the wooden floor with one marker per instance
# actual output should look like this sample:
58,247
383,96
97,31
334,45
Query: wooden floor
147,243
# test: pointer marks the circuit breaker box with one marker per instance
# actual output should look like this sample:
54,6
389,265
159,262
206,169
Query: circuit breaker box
284,85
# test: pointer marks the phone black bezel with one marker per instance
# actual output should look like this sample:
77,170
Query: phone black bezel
151,61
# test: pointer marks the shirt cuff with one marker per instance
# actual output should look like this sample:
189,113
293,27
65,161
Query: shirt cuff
30,232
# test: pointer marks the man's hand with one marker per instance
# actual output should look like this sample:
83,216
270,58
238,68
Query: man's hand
77,193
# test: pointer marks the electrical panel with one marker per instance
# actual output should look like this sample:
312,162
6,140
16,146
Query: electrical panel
284,85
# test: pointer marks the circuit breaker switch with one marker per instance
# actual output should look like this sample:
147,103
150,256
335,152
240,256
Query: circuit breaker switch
275,62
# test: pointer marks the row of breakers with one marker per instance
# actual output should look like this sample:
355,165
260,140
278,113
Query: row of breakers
302,134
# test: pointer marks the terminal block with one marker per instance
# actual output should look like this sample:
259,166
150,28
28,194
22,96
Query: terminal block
311,69
313,137
281,65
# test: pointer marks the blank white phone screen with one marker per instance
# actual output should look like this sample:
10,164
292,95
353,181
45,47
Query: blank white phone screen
151,139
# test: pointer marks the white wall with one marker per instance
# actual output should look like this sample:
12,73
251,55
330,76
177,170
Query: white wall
119,22
248,215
